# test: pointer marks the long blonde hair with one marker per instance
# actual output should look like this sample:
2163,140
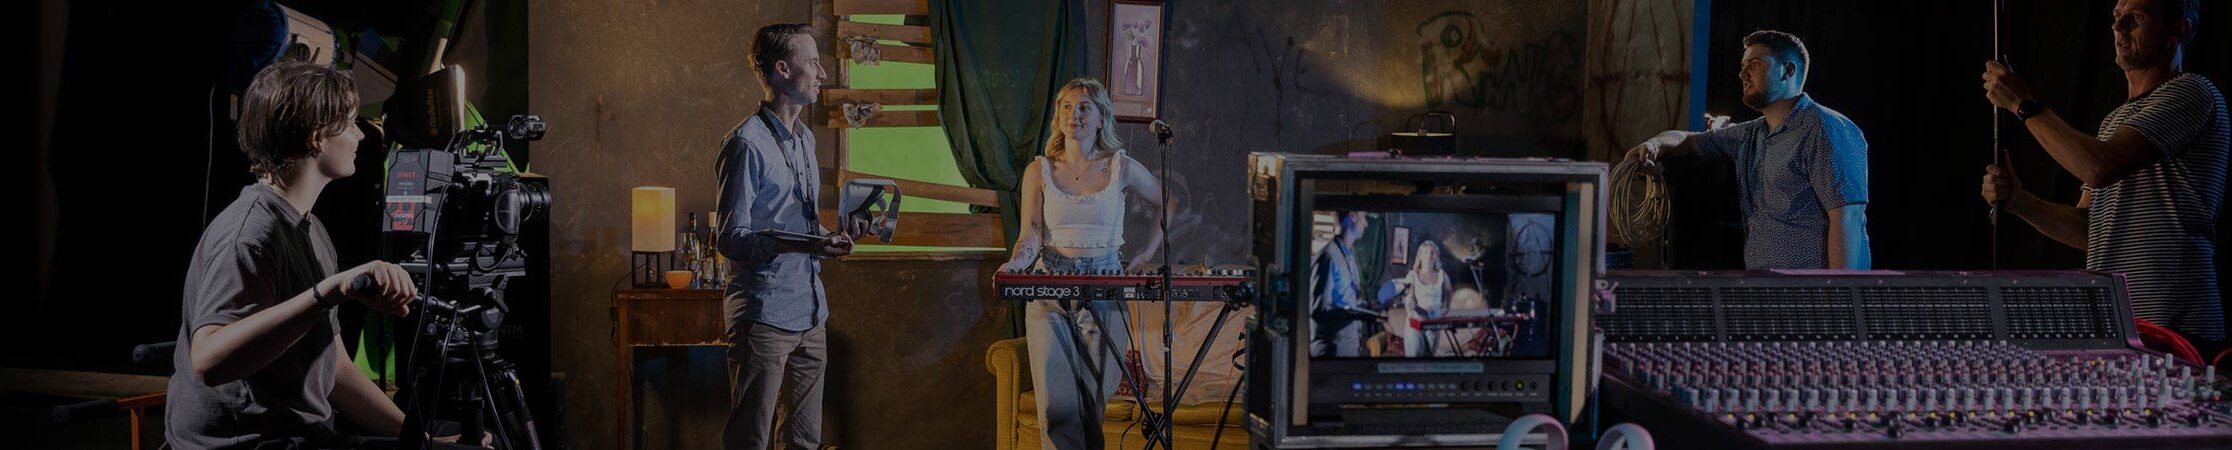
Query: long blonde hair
1057,140
1421,257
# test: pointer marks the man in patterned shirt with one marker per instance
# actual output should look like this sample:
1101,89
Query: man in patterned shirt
1801,168
2153,173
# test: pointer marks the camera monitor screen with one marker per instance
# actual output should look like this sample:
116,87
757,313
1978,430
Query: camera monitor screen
1415,284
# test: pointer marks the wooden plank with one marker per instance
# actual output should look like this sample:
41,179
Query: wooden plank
888,119
938,230
896,53
925,189
887,97
902,33
911,7
91,385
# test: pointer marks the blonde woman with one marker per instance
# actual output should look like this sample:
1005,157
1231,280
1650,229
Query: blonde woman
1425,295
1073,220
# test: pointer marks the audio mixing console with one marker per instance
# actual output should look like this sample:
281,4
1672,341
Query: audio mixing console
1915,360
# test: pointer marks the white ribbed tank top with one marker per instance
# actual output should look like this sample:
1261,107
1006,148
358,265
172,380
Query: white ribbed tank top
1094,220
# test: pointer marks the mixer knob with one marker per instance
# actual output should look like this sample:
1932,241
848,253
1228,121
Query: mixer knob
2185,380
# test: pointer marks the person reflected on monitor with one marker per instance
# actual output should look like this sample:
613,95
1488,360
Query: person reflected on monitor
1337,310
1421,294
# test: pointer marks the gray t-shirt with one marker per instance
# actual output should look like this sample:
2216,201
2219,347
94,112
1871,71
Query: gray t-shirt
255,254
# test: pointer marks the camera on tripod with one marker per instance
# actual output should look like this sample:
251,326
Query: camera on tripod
455,210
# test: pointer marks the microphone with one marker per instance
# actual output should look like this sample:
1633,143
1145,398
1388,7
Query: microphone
1161,130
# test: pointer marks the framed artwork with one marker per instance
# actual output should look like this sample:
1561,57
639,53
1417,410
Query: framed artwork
1135,59
1399,253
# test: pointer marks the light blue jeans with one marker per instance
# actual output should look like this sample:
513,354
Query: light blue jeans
1068,346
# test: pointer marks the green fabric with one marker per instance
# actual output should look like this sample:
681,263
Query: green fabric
1371,256
999,63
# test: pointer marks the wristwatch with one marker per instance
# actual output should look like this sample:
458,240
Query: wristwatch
2030,107
326,301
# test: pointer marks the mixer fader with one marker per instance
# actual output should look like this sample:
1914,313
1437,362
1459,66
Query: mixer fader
1823,383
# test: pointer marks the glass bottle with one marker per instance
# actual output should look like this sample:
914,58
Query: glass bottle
690,250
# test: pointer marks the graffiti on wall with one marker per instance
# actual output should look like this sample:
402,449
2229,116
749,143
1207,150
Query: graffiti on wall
1461,65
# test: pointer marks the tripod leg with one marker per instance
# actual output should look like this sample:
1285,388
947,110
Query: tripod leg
487,405
510,402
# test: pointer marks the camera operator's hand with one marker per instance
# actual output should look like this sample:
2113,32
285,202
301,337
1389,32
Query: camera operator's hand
390,292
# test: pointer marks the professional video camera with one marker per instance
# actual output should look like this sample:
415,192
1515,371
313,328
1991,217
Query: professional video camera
454,216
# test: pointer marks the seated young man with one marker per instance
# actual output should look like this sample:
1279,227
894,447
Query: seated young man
259,362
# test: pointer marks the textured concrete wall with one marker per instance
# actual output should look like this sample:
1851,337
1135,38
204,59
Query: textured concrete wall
1288,76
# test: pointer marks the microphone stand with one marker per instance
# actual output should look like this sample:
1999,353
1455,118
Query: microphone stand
1170,402
1997,149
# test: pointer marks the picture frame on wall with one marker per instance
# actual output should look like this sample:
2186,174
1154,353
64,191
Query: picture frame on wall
1135,59
1399,252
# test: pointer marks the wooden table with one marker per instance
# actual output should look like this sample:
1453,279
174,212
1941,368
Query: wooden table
660,318
132,393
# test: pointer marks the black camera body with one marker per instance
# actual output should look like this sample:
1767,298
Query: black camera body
457,212
454,219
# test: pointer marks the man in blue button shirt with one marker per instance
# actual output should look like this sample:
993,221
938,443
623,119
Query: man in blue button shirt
776,308
1801,168
1337,310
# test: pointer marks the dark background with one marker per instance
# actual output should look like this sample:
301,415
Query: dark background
142,127
132,106
1908,73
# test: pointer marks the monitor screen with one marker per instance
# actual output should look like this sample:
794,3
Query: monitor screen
1416,284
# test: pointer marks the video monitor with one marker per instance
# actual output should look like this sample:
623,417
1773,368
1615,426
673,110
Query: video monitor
1439,284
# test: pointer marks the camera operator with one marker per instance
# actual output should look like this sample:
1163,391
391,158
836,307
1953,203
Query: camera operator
259,362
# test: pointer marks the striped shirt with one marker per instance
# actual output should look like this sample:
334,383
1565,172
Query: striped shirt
2157,226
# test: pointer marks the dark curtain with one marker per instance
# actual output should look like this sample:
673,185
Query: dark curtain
999,63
